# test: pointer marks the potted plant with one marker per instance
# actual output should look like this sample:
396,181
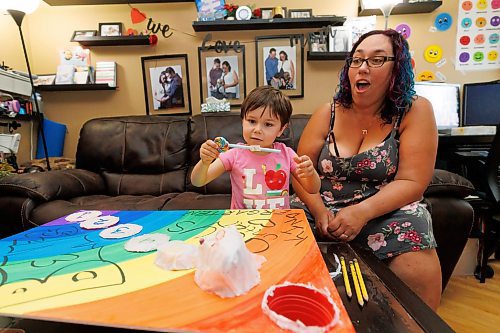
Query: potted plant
230,11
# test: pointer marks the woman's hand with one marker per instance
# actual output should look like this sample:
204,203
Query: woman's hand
209,151
347,223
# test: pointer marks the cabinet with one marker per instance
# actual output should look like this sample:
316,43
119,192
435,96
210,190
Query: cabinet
405,8
269,24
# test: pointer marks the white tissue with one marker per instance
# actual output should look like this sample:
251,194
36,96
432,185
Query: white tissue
225,266
176,255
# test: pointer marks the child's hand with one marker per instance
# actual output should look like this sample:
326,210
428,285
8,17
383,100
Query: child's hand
305,167
209,151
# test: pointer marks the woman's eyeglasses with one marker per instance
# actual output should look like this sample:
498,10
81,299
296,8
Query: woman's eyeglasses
376,61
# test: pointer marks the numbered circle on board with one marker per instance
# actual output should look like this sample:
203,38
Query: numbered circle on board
146,243
121,231
100,222
83,215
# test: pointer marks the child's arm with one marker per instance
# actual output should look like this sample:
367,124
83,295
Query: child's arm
306,174
205,171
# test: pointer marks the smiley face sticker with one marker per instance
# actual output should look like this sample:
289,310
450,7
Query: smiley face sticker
492,55
404,30
465,40
479,39
433,53
426,76
478,56
481,22
464,57
481,4
495,21
467,5
493,38
466,23
443,22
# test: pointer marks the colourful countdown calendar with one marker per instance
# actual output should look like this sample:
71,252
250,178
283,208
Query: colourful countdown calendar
63,272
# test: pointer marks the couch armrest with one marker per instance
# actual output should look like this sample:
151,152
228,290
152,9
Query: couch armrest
445,183
52,185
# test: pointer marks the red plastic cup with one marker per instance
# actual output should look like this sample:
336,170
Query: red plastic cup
298,306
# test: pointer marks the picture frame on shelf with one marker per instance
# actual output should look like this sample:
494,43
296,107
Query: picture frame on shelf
85,33
340,39
286,72
222,75
269,12
166,84
110,29
300,13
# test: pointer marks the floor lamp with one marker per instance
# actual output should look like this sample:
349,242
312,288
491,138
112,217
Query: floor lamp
386,6
18,9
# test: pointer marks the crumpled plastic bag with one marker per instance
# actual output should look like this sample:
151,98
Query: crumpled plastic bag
225,265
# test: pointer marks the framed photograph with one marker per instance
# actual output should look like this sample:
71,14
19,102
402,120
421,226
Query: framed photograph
110,29
269,12
222,75
340,39
280,63
166,84
86,33
300,13
44,80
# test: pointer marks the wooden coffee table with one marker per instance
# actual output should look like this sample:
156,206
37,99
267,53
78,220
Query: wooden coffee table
392,306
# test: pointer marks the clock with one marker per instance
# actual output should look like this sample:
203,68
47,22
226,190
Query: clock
243,13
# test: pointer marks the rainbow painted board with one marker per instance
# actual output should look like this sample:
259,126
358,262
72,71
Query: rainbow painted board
61,272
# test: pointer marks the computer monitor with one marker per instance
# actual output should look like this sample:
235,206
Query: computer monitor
481,103
445,100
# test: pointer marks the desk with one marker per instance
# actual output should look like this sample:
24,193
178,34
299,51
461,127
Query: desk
62,273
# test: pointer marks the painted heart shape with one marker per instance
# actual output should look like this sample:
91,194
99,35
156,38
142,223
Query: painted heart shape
275,180
137,16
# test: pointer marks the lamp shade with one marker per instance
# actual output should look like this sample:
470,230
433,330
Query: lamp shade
372,4
25,6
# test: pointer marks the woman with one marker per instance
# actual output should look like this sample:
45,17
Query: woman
375,149
159,93
230,81
286,71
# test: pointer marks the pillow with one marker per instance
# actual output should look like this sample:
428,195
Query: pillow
445,183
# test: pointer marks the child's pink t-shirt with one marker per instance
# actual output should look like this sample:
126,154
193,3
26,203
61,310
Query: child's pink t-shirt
259,181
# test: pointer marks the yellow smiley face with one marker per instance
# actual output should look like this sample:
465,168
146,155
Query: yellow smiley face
492,55
481,4
433,53
480,22
426,76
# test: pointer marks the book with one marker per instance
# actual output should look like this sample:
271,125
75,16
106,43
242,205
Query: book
65,74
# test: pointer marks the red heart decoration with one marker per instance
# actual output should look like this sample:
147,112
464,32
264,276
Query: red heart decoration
153,39
275,180
137,16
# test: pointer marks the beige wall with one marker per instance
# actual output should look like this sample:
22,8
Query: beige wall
50,28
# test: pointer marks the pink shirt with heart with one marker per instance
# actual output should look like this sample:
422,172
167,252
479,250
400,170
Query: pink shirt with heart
260,181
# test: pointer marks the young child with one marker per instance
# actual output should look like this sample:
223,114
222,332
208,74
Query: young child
259,180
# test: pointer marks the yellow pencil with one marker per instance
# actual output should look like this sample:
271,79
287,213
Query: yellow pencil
346,278
356,284
361,281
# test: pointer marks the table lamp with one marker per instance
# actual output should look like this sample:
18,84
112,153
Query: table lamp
18,9
385,6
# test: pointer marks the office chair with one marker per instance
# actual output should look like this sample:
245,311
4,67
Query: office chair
488,190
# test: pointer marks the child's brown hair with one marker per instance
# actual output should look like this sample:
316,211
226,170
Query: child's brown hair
268,97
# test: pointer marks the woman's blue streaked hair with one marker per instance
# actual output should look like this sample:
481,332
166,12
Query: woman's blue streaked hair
400,94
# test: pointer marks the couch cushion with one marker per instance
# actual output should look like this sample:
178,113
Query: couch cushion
139,145
192,200
445,183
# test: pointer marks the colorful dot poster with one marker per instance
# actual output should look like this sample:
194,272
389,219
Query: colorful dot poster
478,28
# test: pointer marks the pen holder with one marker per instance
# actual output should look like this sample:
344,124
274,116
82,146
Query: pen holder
297,307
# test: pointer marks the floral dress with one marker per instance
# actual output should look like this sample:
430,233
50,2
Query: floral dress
350,180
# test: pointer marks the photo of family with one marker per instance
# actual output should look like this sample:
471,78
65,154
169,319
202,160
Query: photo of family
166,84
280,62
222,74
167,87
279,67
223,80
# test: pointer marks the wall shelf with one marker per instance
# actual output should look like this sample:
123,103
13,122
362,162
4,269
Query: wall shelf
74,87
265,24
405,8
327,55
112,40
105,2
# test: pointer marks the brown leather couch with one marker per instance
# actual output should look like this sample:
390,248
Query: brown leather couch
144,163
